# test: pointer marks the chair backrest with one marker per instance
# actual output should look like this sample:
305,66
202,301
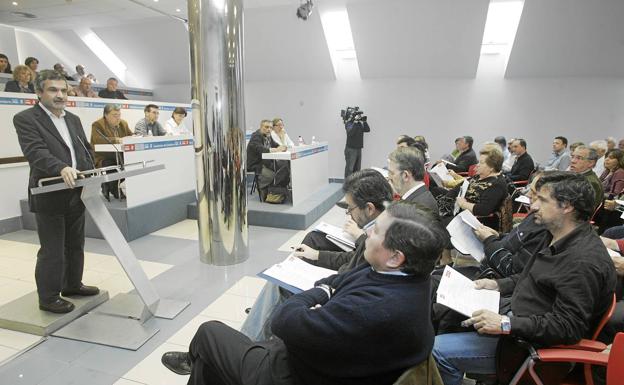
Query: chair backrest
472,170
615,367
595,212
605,318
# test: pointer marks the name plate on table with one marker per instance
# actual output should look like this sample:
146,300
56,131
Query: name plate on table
304,151
157,145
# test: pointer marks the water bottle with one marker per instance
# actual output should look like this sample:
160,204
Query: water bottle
300,141
313,140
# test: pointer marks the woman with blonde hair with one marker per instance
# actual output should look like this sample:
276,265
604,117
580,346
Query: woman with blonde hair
22,81
279,135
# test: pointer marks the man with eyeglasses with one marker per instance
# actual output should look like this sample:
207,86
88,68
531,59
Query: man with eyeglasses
582,162
366,193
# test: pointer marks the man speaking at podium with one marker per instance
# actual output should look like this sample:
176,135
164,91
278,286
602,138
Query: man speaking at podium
54,144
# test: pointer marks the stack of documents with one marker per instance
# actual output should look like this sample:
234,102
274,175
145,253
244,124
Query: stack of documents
523,199
295,275
337,236
458,293
439,173
463,237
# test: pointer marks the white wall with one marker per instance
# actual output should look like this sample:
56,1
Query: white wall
8,45
439,109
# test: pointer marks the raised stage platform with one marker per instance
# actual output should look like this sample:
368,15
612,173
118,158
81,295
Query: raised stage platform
286,216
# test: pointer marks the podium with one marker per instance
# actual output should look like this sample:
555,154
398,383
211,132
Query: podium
121,321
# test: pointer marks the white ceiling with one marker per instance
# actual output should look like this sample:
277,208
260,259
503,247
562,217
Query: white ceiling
562,38
393,38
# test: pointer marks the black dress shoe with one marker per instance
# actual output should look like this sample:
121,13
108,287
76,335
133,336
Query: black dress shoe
59,306
82,291
105,192
178,362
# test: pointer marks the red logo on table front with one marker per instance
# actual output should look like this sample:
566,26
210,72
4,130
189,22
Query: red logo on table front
70,103
30,102
128,147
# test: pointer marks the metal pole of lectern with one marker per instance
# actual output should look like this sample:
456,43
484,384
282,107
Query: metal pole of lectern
216,44
121,321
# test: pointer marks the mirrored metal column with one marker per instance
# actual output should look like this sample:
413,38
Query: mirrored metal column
216,39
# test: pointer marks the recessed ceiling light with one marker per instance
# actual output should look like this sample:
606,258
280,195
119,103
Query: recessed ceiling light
14,3
178,10
155,1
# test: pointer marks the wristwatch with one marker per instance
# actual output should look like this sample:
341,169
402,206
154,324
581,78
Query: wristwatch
505,324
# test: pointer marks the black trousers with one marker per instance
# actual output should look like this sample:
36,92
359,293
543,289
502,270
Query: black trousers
224,356
318,241
353,160
60,260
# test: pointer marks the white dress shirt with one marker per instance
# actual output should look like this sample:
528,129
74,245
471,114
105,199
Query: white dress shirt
410,191
287,141
61,127
172,127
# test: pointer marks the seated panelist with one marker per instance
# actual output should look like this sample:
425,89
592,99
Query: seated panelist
175,125
279,134
150,125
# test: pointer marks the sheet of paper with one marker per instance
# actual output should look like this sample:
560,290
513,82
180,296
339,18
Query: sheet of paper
458,293
382,171
523,199
447,162
296,273
613,253
469,219
441,171
337,233
339,243
464,239
462,193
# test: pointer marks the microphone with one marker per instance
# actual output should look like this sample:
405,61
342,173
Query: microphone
87,151
111,143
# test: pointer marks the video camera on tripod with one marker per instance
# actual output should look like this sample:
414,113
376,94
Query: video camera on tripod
352,114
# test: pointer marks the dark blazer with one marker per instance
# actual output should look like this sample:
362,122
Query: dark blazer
464,161
13,86
255,149
47,155
101,131
522,168
423,197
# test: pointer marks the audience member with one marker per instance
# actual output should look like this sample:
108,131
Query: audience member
84,89
421,139
149,125
32,63
610,143
560,159
366,193
279,134
54,143
22,81
485,193
574,145
621,145
405,141
111,91
613,186
175,125
616,322
259,143
582,161
109,129
466,157
5,65
92,77
523,165
500,140
601,148
80,73
509,162
558,298
406,171
332,333
60,68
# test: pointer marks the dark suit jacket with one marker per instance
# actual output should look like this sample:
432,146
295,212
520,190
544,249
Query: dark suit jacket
464,161
13,86
47,155
255,149
424,198
522,168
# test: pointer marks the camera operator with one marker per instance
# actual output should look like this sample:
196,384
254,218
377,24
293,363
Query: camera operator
356,125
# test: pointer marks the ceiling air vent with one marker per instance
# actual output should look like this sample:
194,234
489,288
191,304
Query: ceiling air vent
25,15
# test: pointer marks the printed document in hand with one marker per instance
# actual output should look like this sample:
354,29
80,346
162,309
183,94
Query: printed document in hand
295,275
462,236
613,253
441,171
462,193
337,235
458,293
523,199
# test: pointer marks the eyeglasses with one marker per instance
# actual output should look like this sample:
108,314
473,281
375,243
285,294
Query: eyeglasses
578,157
350,209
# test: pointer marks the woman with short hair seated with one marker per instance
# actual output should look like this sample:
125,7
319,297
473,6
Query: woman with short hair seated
486,191
22,81
612,180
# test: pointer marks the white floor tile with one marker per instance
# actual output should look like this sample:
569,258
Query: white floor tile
185,334
187,229
21,269
248,287
151,371
20,250
228,307
17,340
123,381
6,353
294,241
15,290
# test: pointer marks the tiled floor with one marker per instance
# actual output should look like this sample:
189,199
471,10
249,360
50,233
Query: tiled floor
170,259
